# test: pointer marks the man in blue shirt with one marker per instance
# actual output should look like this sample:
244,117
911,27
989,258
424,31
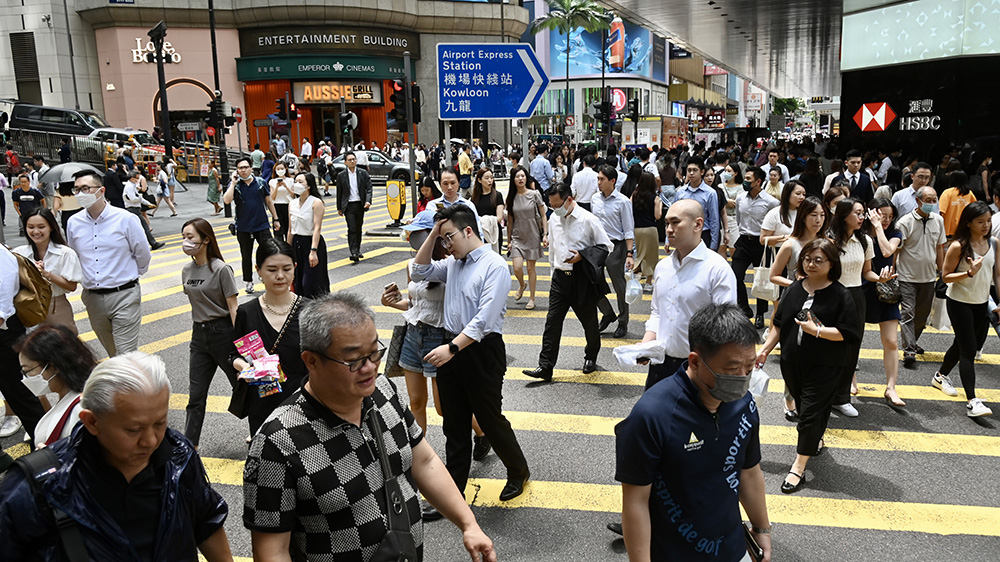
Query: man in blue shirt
701,192
541,169
688,455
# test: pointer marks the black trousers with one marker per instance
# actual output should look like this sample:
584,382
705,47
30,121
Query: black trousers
843,395
354,214
971,323
659,372
282,210
472,384
569,290
210,345
137,211
24,402
246,249
813,387
615,265
310,281
65,215
746,252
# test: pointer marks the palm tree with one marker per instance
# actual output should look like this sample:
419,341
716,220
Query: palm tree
565,16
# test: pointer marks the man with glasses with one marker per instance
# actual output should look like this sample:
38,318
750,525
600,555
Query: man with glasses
472,363
354,198
701,192
252,196
905,200
113,252
328,499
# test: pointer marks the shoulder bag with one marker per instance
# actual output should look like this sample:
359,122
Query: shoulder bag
762,287
31,302
397,545
239,404
392,368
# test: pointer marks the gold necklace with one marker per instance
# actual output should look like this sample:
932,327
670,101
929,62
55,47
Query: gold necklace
273,311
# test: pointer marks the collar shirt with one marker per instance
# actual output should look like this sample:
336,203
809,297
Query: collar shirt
352,178
541,170
319,477
10,284
112,248
576,231
883,168
58,259
916,261
750,212
475,294
362,157
442,203
693,459
681,288
477,152
615,214
131,195
279,146
464,164
905,201
709,200
784,171
584,185
307,149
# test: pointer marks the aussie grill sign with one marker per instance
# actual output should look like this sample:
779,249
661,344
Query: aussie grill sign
332,91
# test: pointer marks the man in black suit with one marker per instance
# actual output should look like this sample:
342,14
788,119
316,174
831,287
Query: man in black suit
861,183
354,197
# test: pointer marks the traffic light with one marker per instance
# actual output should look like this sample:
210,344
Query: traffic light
280,109
633,110
398,99
293,113
214,115
415,112
345,122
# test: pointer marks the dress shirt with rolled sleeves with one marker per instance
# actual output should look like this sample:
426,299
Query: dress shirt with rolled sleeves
905,201
112,248
131,195
576,231
10,284
682,288
750,212
709,200
475,294
585,185
615,214
442,203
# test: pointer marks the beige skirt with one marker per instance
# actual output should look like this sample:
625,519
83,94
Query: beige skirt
647,252
61,312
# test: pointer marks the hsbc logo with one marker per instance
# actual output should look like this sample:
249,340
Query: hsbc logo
874,116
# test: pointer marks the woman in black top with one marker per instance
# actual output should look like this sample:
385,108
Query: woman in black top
489,204
815,322
275,316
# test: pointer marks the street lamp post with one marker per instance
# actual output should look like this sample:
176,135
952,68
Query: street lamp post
157,34
220,119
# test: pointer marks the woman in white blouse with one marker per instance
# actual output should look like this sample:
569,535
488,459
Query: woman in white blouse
281,194
53,359
305,220
58,263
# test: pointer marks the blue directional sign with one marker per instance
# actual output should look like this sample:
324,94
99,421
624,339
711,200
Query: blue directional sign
488,80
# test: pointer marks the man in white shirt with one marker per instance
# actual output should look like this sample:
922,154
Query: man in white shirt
649,165
132,195
585,183
772,162
884,165
307,149
614,210
450,195
113,253
577,241
354,198
751,208
48,189
905,200
862,186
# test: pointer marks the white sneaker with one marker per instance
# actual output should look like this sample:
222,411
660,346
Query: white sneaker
977,408
943,383
11,425
250,289
847,409
979,355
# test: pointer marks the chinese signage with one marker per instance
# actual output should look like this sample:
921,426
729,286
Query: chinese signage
141,50
317,67
925,122
327,39
331,92
716,118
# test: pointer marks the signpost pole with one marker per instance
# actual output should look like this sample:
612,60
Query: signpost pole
447,146
239,138
221,136
408,91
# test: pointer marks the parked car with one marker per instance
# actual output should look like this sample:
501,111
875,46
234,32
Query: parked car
29,117
144,146
380,167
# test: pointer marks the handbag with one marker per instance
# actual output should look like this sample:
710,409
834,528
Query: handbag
889,292
762,287
397,545
239,404
31,302
392,368
538,218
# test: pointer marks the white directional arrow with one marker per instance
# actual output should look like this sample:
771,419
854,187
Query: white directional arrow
536,78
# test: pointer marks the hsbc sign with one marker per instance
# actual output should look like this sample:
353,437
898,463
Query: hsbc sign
874,116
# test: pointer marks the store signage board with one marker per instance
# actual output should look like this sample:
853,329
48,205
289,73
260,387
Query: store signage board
488,81
317,67
189,126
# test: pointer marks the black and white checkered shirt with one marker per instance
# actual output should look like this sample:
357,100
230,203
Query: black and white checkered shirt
313,474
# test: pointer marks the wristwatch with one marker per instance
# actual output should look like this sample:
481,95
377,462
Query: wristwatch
453,348
760,531
313,249
630,252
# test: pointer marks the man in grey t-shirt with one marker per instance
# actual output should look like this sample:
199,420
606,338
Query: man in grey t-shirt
918,263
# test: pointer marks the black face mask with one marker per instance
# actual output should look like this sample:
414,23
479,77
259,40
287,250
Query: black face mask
748,186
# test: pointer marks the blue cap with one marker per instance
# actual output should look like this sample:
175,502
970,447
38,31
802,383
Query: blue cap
423,221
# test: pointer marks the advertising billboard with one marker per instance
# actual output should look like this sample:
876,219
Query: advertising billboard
630,50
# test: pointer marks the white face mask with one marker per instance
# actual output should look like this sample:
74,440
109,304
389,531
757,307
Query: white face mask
38,384
86,200
298,188
281,172
560,211
190,247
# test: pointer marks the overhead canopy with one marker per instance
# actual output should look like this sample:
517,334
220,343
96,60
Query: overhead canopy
791,47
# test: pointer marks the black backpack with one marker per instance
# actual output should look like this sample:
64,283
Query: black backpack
38,467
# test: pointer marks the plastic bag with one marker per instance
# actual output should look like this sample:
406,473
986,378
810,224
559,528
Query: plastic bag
633,289
758,382
629,355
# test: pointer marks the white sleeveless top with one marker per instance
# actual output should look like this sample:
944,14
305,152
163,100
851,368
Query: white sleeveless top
426,302
301,216
974,290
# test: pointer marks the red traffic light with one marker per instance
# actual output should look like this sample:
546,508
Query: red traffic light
397,85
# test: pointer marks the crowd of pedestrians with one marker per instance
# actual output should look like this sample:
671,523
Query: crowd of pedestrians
844,244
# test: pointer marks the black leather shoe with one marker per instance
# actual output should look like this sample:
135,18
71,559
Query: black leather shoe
157,246
354,258
605,322
616,528
429,514
909,360
759,322
621,332
789,488
589,366
514,488
918,350
481,447
361,256
539,373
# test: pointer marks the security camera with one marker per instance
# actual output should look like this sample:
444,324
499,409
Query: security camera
46,18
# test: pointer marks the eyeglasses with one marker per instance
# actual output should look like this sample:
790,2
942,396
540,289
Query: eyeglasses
446,239
26,373
355,365
86,188
813,261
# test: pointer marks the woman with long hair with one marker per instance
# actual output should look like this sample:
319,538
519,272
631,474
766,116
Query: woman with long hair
53,359
213,194
305,219
56,261
163,191
428,192
835,195
881,227
647,208
954,199
281,194
857,251
970,266
275,317
816,323
559,169
631,180
527,231
211,288
812,178
489,204
778,222
732,186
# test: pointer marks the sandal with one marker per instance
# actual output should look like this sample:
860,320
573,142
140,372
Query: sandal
820,448
520,292
789,488
895,401
791,415
530,305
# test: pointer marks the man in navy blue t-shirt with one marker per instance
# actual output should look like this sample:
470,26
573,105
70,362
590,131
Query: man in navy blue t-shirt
253,201
689,452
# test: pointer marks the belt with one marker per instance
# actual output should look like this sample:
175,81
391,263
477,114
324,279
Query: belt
124,287
564,272
426,325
